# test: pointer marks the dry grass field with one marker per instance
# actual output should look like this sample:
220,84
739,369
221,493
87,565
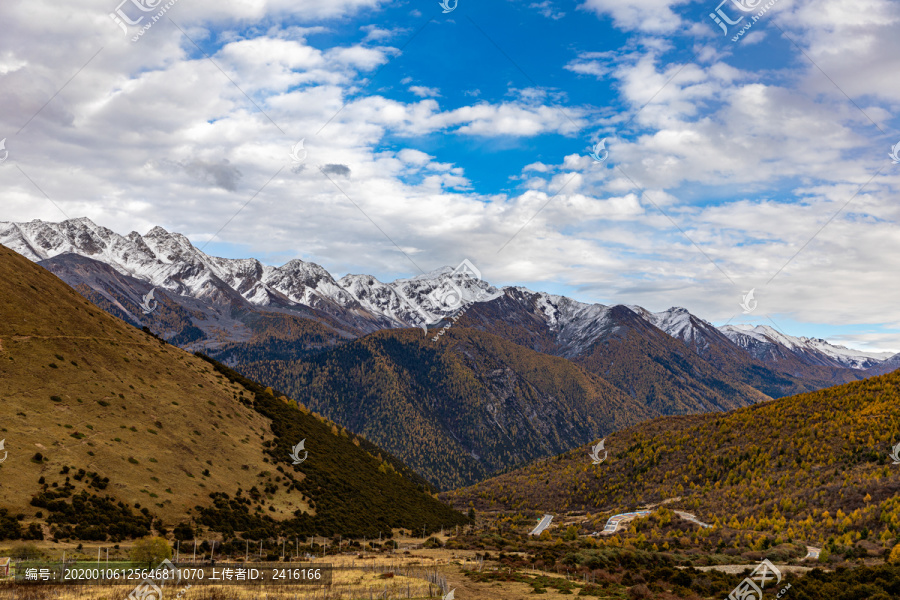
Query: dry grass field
100,395
408,573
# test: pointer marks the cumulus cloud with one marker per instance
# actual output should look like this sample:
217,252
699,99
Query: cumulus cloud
424,92
375,33
718,176
652,16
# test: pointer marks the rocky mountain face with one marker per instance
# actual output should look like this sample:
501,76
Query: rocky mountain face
169,261
619,344
887,366
564,327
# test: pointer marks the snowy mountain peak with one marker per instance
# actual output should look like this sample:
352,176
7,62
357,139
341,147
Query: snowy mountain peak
679,323
349,281
762,337
157,232
432,275
170,261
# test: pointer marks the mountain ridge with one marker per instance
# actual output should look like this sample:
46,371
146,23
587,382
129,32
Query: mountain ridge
297,328
362,304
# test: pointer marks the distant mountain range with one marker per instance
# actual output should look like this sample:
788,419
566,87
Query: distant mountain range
169,261
299,329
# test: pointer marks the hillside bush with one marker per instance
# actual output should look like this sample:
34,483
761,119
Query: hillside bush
26,552
150,550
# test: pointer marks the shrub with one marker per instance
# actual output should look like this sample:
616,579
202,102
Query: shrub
34,532
184,532
639,592
150,550
26,552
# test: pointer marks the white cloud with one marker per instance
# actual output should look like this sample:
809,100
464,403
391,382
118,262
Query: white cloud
651,16
855,44
547,9
414,157
598,64
424,92
749,164
513,119
377,34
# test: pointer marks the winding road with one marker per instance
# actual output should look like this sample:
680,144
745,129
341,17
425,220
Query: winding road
612,525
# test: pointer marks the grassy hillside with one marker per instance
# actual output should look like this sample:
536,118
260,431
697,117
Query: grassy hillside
94,408
458,409
812,467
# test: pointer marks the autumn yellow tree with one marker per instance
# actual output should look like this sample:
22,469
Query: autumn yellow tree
150,550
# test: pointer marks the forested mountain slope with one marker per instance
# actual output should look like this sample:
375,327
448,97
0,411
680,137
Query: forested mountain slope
458,409
813,466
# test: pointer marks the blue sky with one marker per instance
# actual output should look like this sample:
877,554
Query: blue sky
467,135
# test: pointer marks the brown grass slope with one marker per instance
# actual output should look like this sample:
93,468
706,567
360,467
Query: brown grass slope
68,369
813,467
458,409
86,390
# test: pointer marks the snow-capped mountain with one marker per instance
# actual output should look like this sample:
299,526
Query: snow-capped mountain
682,325
888,366
576,324
170,262
763,342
